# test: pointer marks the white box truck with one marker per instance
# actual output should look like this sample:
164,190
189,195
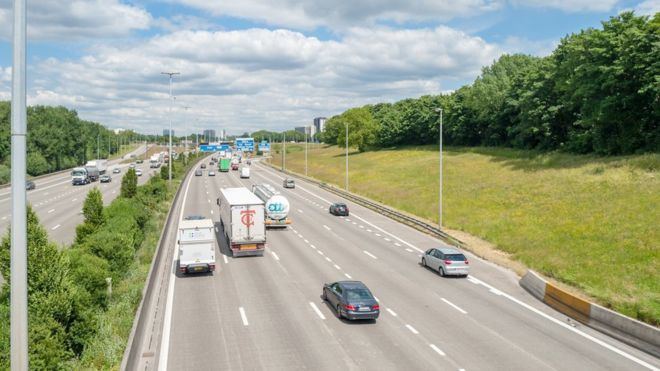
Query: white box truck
277,206
154,161
101,165
245,172
196,246
242,219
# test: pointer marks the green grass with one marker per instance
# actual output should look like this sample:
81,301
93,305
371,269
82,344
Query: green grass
586,221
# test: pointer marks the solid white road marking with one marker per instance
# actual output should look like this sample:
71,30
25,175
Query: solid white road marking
274,255
243,316
326,227
55,227
369,254
390,311
454,305
348,276
224,257
437,350
337,267
50,211
316,309
412,329
165,339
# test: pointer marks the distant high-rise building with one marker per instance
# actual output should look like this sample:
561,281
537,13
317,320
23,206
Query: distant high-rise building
209,135
319,124
166,133
223,134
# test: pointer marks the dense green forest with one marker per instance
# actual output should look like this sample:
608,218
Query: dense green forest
598,92
57,139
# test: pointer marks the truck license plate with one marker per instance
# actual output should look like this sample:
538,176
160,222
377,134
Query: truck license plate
248,247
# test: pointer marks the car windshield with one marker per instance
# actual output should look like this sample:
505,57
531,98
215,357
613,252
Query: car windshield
358,294
76,173
455,257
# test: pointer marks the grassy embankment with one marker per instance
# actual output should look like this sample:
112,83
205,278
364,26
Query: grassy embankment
586,221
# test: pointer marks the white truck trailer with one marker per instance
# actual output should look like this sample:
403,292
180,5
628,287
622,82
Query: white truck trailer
242,219
277,206
101,165
154,161
196,246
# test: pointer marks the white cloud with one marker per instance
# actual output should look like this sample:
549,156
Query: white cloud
648,7
62,20
308,14
252,79
570,5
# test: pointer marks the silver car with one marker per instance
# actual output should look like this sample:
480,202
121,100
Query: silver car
448,261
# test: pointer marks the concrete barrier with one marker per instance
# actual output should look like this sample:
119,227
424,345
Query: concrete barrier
628,330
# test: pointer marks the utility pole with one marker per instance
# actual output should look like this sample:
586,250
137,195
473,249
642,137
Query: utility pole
18,250
284,152
98,146
169,155
305,151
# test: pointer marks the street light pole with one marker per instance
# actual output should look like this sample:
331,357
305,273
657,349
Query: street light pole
18,317
169,155
284,152
305,151
440,174
185,142
346,156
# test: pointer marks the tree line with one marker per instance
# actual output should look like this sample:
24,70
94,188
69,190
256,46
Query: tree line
598,92
57,139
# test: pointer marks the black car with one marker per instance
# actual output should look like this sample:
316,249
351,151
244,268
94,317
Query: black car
351,300
139,161
105,179
203,166
338,209
30,185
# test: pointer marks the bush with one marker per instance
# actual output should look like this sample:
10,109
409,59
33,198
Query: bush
36,164
129,184
5,174
89,271
93,208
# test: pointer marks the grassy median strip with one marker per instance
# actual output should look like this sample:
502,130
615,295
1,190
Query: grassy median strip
587,221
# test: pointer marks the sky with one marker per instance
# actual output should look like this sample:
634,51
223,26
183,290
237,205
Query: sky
272,64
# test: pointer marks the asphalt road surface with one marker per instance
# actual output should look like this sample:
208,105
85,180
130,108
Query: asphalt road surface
58,203
266,313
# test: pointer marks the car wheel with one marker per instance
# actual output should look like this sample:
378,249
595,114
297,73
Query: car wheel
324,296
339,315
423,262
441,271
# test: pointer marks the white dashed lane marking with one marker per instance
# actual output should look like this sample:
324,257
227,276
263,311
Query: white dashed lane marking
243,316
369,254
316,309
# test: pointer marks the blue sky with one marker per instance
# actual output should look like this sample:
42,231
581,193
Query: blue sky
273,64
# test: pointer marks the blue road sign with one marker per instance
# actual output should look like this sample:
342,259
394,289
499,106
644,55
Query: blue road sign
244,144
264,146
213,147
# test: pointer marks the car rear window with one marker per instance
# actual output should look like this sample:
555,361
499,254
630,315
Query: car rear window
358,294
455,257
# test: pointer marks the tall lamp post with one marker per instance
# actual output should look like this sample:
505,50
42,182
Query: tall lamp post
440,173
169,155
305,150
284,152
18,317
346,156
186,138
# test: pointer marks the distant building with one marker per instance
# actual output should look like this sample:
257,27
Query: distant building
223,134
301,129
166,133
319,124
209,135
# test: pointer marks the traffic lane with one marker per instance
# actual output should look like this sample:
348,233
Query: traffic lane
388,335
262,345
505,309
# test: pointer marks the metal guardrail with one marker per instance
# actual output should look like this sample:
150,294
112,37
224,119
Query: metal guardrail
391,213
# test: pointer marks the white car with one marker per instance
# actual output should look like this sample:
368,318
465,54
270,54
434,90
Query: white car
138,172
448,261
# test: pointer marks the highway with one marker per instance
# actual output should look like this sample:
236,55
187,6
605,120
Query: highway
265,313
59,204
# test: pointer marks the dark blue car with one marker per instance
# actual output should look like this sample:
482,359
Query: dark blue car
351,300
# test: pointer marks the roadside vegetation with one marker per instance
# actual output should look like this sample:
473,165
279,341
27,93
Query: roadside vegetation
587,221
82,298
